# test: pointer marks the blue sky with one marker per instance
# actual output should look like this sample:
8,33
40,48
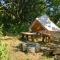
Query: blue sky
2,1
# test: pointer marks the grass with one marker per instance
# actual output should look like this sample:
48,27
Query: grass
3,51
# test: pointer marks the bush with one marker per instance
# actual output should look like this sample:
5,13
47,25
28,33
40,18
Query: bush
58,24
16,29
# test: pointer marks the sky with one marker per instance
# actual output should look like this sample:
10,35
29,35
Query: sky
2,1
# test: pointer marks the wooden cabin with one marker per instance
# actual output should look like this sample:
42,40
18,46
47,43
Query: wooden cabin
43,27
43,23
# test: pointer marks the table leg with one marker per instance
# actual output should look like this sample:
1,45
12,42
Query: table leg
32,37
26,37
22,37
43,38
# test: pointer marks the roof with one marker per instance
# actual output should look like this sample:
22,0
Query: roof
47,23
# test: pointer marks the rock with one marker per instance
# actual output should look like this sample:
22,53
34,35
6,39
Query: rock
31,49
24,47
57,57
37,47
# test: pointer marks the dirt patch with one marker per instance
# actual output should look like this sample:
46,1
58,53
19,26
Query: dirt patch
16,54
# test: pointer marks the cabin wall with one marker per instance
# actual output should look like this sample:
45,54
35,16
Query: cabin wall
36,26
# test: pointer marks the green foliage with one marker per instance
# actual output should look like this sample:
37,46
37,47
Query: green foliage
53,10
3,51
56,2
21,13
25,10
58,24
16,29
1,29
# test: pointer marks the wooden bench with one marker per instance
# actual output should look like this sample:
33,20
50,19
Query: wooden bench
27,35
45,36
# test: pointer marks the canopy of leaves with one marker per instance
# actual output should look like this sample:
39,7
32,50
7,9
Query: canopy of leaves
17,15
53,10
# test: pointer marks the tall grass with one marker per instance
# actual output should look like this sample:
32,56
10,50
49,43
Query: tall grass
3,51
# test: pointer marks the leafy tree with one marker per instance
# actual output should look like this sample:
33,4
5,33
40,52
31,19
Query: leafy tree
26,10
19,14
53,9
